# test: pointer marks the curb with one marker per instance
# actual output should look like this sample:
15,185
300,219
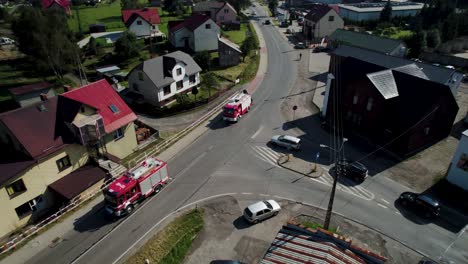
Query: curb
311,175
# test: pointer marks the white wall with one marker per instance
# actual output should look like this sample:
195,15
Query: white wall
145,87
457,175
206,39
325,27
140,30
177,78
177,39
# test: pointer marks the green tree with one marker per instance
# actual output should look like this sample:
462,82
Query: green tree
127,46
130,4
195,92
210,81
450,27
386,13
45,36
182,98
272,5
92,46
247,46
433,38
203,59
416,44
239,4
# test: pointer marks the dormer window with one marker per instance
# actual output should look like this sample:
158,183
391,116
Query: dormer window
208,26
179,71
114,109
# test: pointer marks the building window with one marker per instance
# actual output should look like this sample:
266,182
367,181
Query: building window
355,99
16,188
192,79
369,104
82,109
207,26
179,71
153,26
331,18
63,163
167,90
427,130
226,11
179,85
135,87
139,22
118,134
29,207
140,75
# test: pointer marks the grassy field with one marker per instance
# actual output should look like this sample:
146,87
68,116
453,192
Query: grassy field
314,225
173,242
232,73
107,14
237,36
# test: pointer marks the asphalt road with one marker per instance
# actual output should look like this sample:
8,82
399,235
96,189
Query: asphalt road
237,158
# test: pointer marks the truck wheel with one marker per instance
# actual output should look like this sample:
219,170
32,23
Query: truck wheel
129,210
157,189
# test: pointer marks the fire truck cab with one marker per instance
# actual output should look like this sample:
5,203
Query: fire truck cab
145,179
237,106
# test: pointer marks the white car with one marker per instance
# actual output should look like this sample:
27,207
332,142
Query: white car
6,41
259,211
254,13
286,141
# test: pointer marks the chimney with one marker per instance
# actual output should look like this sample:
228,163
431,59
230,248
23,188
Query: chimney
67,88
43,97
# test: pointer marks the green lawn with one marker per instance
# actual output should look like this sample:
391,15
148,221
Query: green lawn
401,34
232,73
237,36
107,14
393,32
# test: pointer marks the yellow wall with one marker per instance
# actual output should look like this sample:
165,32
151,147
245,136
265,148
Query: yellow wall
123,146
36,179
88,111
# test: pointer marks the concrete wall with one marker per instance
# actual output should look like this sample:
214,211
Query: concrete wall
145,87
325,27
458,171
206,39
34,97
36,179
140,30
124,146
182,77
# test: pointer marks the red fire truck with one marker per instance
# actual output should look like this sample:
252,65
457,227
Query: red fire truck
145,179
237,106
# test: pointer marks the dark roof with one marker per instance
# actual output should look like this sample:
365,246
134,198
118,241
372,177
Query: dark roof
364,40
11,169
35,127
101,96
418,69
150,15
78,181
207,5
157,69
317,12
30,88
231,44
191,23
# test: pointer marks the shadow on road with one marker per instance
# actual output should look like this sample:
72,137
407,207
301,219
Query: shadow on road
240,223
321,77
218,123
93,220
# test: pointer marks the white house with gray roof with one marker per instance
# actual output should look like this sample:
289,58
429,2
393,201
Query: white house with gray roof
158,80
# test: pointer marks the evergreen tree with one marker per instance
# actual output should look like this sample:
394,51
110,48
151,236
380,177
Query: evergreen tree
386,14
247,46
210,81
203,59
433,38
126,46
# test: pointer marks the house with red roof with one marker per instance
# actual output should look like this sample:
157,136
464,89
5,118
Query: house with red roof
58,5
47,148
197,33
142,22
321,21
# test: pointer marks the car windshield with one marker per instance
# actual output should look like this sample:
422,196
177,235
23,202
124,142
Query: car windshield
229,111
110,199
280,138
248,212
268,204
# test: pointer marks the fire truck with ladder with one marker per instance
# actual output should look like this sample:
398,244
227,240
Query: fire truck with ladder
237,106
145,179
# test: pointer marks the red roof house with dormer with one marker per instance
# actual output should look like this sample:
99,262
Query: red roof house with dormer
142,22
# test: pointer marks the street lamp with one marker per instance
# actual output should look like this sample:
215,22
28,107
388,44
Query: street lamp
326,224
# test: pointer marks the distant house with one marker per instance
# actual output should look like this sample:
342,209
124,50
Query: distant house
458,170
32,93
371,11
392,102
363,40
198,33
142,22
156,3
229,53
321,22
220,12
57,5
158,80
47,146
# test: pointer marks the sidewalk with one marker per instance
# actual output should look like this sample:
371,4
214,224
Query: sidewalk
46,239
308,169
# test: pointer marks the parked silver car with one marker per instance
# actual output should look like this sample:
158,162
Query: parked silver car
286,141
259,211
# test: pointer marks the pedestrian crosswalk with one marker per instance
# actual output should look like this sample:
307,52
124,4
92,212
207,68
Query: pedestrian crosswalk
346,185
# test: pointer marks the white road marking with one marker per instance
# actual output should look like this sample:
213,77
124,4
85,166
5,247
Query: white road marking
264,194
381,205
266,155
385,201
398,213
246,193
256,133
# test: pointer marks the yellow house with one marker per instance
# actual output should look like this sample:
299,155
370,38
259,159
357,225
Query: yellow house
48,148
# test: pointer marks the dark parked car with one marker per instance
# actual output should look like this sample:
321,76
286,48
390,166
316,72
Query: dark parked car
284,24
267,22
300,45
354,170
422,203
320,49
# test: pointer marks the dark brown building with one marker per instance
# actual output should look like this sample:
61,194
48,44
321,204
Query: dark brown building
229,53
393,102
